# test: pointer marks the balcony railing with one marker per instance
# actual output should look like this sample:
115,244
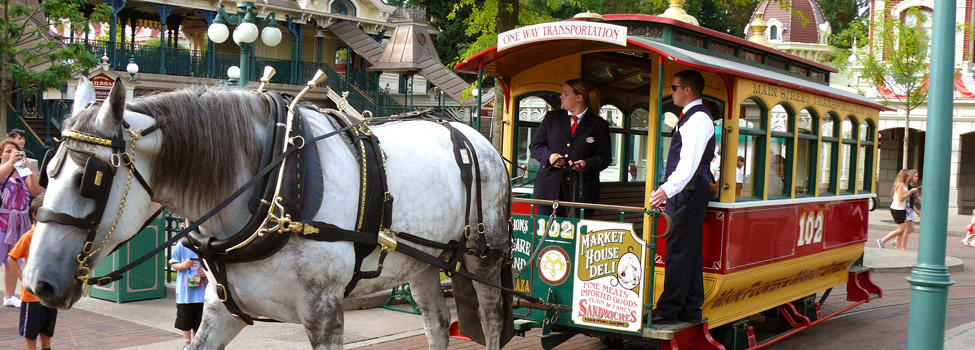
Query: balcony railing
364,90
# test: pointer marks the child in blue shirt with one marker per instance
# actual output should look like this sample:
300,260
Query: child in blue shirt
190,286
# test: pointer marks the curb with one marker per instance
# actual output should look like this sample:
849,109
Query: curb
892,227
898,261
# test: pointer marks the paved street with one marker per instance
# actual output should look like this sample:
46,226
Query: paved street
881,324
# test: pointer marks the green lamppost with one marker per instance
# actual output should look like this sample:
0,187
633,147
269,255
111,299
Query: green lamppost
246,21
929,279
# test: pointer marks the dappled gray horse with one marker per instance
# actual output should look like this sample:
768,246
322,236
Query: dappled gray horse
209,144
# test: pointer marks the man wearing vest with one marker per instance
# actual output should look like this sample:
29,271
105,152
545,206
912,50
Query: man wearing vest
684,195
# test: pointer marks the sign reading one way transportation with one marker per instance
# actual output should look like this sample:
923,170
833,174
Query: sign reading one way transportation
595,31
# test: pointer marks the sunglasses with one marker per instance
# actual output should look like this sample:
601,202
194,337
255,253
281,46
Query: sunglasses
674,87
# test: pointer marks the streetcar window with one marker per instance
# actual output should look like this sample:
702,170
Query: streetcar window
865,161
751,150
828,149
614,116
637,152
805,174
847,155
531,110
779,178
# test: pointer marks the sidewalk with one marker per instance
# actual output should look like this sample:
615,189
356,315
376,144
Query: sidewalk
880,219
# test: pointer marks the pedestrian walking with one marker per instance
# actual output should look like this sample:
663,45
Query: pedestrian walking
190,287
898,209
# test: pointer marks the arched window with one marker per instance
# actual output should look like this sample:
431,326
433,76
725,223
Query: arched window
752,123
613,113
865,160
848,156
805,176
773,33
343,7
637,152
778,182
828,149
531,110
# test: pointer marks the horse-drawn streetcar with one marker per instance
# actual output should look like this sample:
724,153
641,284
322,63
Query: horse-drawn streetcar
794,179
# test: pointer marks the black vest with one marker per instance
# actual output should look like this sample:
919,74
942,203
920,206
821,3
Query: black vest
702,176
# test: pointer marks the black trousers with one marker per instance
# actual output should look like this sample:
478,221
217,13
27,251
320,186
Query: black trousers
683,293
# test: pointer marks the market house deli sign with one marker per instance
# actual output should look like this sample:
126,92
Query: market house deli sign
609,33
103,86
607,291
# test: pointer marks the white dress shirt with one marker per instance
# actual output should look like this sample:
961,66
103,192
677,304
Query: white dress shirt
694,134
578,115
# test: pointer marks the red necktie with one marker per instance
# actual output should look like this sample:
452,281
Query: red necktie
575,122
681,116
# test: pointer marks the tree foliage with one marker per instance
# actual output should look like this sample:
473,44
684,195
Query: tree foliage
843,15
25,43
895,55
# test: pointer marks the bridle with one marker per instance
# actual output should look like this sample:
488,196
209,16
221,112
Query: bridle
96,183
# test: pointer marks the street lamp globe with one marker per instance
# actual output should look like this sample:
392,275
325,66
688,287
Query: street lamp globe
233,72
218,32
245,33
132,68
271,36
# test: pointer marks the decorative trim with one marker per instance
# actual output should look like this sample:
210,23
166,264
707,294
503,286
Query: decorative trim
788,201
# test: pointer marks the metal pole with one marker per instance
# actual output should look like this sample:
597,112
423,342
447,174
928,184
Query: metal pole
245,63
929,279
480,91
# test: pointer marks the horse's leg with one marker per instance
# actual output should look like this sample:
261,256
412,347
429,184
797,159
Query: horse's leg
428,294
218,328
489,298
323,320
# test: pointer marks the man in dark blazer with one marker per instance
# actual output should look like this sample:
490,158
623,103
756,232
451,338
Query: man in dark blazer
575,138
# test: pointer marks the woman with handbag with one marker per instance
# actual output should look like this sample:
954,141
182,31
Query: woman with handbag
15,193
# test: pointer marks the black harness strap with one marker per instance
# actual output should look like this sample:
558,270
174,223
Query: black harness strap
374,195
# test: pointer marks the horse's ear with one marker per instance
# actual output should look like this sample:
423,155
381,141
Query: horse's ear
83,95
110,114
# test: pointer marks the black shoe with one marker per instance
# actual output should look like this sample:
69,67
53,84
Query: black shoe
656,319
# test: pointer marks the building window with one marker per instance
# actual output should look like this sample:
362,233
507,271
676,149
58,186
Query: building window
773,33
343,7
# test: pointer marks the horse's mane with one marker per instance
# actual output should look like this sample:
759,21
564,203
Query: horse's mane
208,139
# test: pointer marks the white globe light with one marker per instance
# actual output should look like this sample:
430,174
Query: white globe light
233,72
245,33
475,92
132,68
271,36
218,32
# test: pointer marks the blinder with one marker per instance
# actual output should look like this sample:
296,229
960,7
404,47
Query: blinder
96,181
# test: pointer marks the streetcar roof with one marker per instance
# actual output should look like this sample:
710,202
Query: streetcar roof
517,59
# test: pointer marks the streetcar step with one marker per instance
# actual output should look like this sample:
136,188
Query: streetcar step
667,331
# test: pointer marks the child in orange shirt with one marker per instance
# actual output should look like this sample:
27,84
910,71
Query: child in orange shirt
35,319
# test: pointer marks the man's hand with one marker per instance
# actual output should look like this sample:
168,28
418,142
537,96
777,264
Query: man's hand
556,160
658,198
578,165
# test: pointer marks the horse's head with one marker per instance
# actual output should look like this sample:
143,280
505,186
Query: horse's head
94,201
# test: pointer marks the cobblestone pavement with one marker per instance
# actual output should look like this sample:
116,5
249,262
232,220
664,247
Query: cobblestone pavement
80,329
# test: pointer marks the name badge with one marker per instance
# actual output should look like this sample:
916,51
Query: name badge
590,139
